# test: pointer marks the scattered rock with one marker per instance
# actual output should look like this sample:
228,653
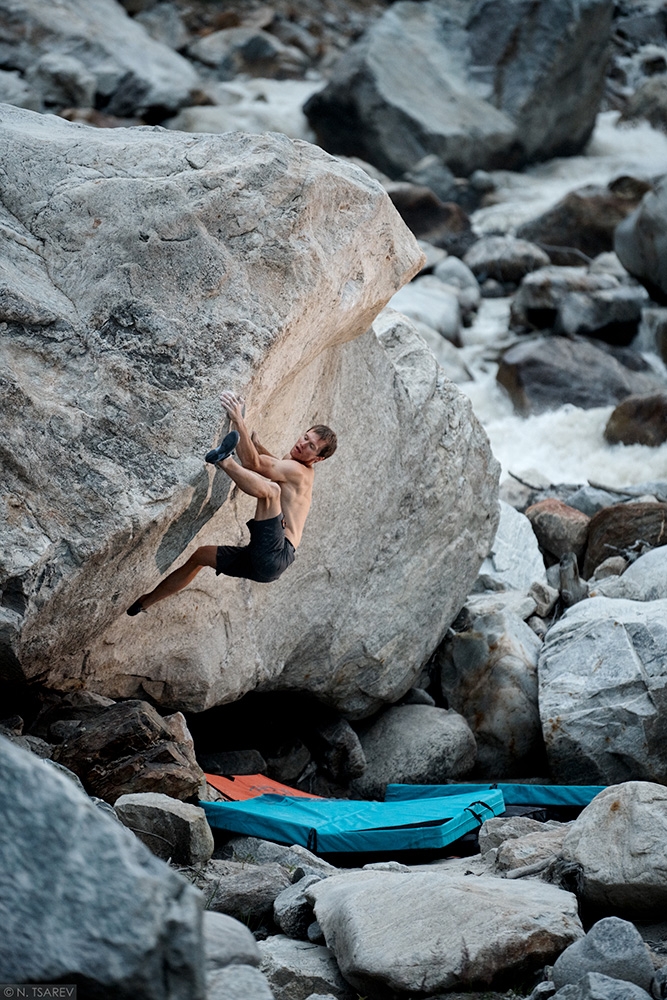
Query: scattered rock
619,843
246,892
558,527
589,500
612,947
90,50
228,942
252,850
545,374
496,831
110,916
652,334
582,224
453,272
248,50
643,580
233,762
505,259
602,692
432,173
595,986
541,293
296,969
237,982
515,561
429,931
648,103
460,105
613,567
572,588
639,420
640,242
530,852
444,224
173,830
15,90
292,911
612,314
128,748
413,744
620,529
427,300
489,675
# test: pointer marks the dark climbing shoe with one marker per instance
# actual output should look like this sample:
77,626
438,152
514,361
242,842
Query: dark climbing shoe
224,449
135,609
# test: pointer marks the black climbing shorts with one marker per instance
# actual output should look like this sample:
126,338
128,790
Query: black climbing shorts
267,556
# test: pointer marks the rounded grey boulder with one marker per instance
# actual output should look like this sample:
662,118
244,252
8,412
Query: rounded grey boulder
613,947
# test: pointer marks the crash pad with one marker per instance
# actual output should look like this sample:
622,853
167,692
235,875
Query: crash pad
239,787
514,795
341,825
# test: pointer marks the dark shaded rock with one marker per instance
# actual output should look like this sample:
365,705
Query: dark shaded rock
572,588
583,223
432,173
292,911
248,50
173,830
246,892
652,334
544,374
612,314
444,225
289,762
639,420
617,530
233,762
596,986
480,85
130,748
541,294
83,901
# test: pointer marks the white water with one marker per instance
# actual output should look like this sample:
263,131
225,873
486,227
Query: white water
565,445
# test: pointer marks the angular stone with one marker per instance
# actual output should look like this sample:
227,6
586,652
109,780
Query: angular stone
252,850
128,748
133,74
538,848
247,50
617,530
110,915
174,831
233,762
426,932
244,892
414,744
541,293
612,947
595,986
237,982
270,240
489,675
496,831
639,420
490,87
619,843
603,692
559,528
515,561
295,969
292,911
611,315
429,301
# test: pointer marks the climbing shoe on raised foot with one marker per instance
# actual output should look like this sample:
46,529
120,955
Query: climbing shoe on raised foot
135,609
224,449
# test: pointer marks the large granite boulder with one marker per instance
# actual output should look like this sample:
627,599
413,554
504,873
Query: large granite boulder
426,932
617,846
602,692
480,85
85,52
641,242
82,900
144,271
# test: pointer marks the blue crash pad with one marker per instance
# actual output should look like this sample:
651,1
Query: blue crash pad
333,825
514,795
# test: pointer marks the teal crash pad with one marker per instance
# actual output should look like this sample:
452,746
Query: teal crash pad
337,825
514,795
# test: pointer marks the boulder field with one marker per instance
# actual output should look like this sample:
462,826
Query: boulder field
143,272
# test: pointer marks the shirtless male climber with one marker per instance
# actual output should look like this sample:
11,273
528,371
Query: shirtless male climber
283,488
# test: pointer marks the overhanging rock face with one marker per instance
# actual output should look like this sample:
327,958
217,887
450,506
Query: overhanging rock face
144,271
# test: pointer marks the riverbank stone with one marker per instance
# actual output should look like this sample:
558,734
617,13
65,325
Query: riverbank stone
613,947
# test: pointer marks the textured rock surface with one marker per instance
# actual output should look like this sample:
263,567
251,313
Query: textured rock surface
639,420
596,986
427,932
260,246
489,674
129,72
514,561
295,969
602,676
228,942
613,947
641,242
643,580
558,528
237,982
171,829
109,916
619,842
480,85
618,529
246,892
414,744
537,848
505,258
